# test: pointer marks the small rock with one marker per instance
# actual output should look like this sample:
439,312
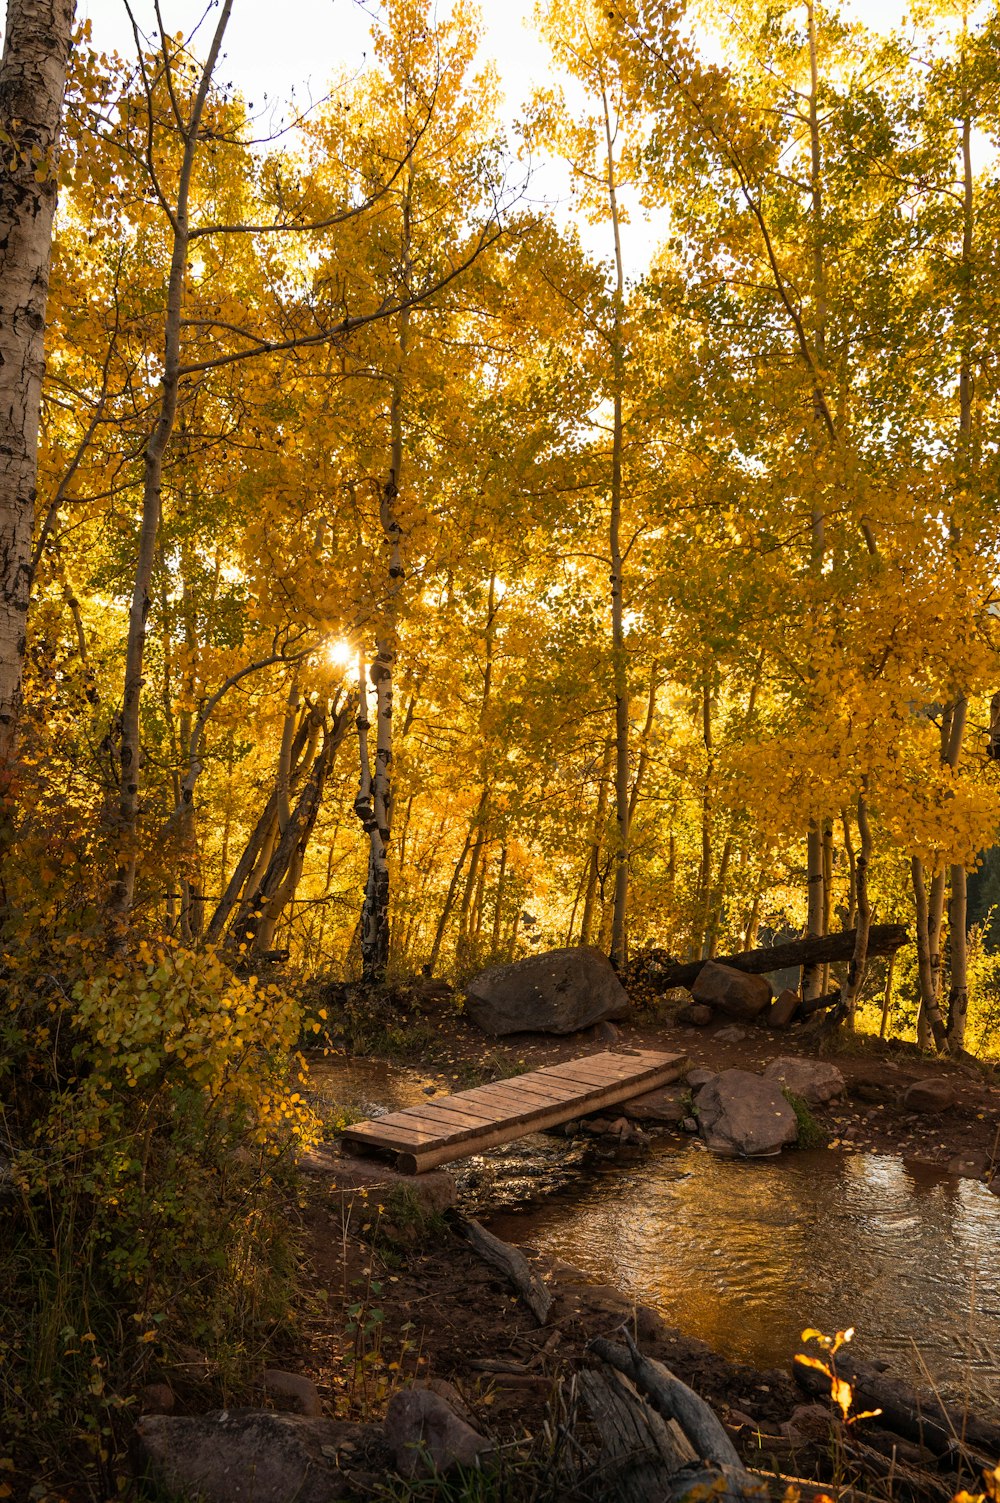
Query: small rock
731,1036
293,1391
968,1165
596,1127
572,1128
430,1090
697,1078
929,1096
619,1126
426,1435
815,1080
449,1393
994,1185
695,1013
607,1033
690,1124
783,1009
156,1398
665,1105
809,1422
742,1113
871,1091
733,992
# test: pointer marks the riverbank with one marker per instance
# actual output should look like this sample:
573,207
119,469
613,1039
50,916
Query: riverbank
956,1129
390,1293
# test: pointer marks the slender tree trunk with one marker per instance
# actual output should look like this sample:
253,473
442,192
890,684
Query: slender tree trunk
449,904
930,1026
958,918
576,901
32,83
257,853
705,869
375,912
753,918
852,866
958,993
719,895
887,995
619,956
813,976
123,886
930,1013
859,960
498,909
600,820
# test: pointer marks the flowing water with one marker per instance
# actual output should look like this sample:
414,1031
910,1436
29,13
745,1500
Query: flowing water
745,1254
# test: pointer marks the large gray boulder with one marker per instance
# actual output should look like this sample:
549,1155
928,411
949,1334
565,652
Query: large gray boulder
257,1456
815,1080
742,1114
428,1435
732,992
561,991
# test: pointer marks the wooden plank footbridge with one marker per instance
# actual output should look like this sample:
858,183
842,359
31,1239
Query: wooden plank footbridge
452,1127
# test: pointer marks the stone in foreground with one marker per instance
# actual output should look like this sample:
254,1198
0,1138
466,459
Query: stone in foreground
783,1009
743,1115
929,1096
815,1080
733,992
668,1104
696,1014
426,1435
560,992
256,1456
293,1391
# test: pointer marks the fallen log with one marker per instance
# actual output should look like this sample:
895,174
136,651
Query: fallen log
919,1416
810,1005
514,1266
674,1399
639,1452
883,939
711,1467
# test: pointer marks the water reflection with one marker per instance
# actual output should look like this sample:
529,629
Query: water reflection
745,1255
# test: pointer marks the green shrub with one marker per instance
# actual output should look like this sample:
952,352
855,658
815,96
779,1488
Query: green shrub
811,1135
150,1116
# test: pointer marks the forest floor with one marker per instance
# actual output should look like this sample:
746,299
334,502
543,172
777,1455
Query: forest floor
391,1296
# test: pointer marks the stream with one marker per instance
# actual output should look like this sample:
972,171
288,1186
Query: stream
745,1254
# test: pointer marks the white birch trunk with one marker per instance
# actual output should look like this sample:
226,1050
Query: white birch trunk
32,83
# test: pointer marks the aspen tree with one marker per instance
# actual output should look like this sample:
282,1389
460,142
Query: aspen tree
33,70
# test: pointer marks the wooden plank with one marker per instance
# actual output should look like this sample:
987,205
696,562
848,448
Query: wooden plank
435,1132
547,1091
401,1137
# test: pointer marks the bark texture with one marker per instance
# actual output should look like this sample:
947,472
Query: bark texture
32,82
